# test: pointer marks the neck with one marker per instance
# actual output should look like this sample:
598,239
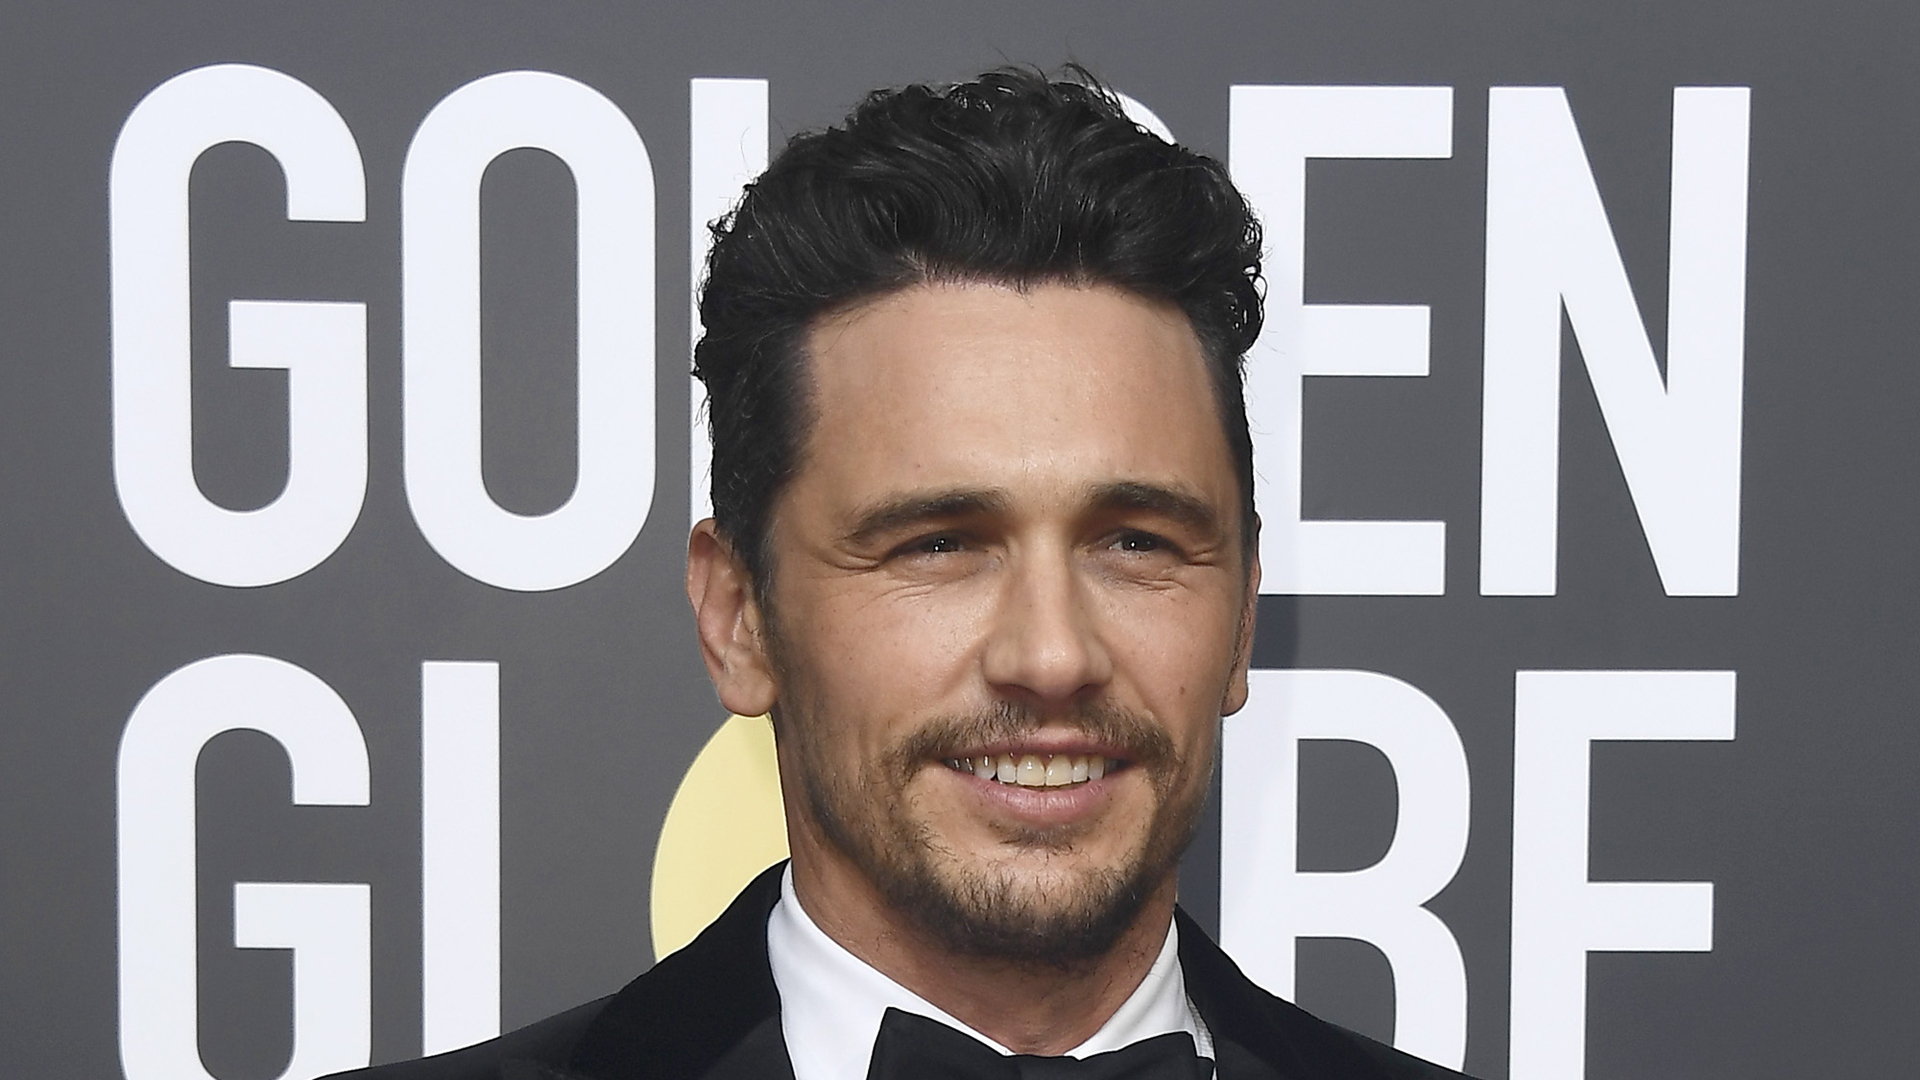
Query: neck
1028,1008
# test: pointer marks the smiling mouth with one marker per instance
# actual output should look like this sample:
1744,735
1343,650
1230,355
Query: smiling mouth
1037,770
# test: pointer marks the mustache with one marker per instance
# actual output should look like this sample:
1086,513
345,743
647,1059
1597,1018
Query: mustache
1136,737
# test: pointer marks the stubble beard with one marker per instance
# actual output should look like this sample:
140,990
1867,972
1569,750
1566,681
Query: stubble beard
1001,910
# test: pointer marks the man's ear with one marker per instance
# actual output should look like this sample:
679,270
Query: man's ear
729,621
1243,639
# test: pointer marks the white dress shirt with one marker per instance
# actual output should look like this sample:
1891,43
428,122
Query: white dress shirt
831,1001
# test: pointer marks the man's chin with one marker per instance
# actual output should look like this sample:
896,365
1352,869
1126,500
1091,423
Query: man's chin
1027,910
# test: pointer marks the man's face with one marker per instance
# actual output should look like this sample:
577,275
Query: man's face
1009,604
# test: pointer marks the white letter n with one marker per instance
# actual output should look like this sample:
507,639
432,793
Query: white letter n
1548,242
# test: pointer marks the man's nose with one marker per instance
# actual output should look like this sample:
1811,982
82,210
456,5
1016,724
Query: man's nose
1045,646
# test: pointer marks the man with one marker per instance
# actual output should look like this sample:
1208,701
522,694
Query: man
984,550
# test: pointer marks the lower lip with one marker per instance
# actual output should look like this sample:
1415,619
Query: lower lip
1040,806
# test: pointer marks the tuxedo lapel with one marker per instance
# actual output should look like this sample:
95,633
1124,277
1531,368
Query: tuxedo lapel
710,1009
1259,1036
1235,1012
711,1012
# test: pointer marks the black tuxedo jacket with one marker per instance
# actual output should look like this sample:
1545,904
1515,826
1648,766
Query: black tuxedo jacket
710,1012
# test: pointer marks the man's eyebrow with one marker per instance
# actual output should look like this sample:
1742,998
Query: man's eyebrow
1186,508
916,507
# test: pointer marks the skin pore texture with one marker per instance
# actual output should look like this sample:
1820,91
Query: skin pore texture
1009,604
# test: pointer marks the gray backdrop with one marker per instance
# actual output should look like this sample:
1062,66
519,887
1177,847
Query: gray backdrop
1802,822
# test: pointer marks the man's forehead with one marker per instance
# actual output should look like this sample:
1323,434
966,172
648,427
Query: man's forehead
974,397
936,341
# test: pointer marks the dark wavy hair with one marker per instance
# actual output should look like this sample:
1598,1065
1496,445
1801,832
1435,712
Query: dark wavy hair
1013,179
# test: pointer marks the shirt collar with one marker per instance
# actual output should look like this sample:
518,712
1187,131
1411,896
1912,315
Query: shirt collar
831,1001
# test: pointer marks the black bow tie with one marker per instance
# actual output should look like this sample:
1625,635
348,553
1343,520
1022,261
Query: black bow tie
913,1047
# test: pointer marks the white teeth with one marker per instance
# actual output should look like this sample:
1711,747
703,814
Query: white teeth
1035,770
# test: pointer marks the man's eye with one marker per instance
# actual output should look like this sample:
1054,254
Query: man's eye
937,545
1139,542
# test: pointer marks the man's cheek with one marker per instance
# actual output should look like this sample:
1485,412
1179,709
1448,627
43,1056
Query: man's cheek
933,801
1137,814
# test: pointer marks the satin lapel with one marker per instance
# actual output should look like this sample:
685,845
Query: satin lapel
714,1004
1283,1037
692,1009
1289,1042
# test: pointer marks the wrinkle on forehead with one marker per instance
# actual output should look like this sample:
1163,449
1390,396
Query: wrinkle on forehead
1057,347
1046,391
